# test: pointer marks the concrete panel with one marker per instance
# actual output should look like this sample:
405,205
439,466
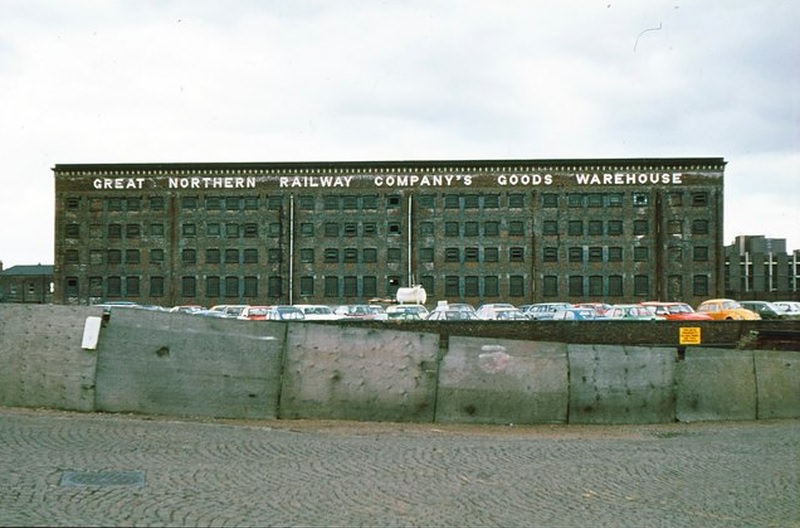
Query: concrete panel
621,384
716,384
42,363
177,364
778,383
502,381
353,373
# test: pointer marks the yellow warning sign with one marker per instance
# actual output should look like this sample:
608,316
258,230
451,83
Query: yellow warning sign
690,335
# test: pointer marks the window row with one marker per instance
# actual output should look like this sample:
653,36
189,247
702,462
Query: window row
604,287
615,254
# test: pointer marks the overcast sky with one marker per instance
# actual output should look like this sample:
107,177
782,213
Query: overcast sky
96,81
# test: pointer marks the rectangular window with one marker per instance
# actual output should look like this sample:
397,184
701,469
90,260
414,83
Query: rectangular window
132,286
615,254
156,286
189,203
250,255
550,254
576,285
575,228
615,286
188,286
213,229
231,256
156,256
232,230
471,254
96,256
114,231
114,285
491,254
133,230
595,254
250,230
350,229
426,201
641,285
675,227
213,256
451,229
426,228
331,255
349,202
426,254
516,254
307,255
491,201
641,254
212,286
516,286
350,255
516,228
393,255
575,200
393,228
550,227
213,203
115,204
471,286
550,286
614,199
330,202
595,285
471,229
549,200
575,254
275,202
640,227
471,201
71,256
491,228
274,286
594,200
189,230
699,199
699,227
132,256
491,286
451,201
274,229
250,203
700,285
251,287
331,286
516,201
331,229
595,227
350,287
307,286
700,253
156,203
614,227
306,230
305,202
157,229
640,199
370,255
231,287
114,256
675,198
452,286
369,286
452,254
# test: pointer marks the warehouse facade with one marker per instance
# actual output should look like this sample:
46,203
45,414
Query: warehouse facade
520,231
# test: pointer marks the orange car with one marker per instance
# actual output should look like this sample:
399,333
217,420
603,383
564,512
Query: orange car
726,310
676,311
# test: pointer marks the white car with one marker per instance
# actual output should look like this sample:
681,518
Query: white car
489,311
317,312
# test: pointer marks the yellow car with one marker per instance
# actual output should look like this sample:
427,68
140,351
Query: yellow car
726,310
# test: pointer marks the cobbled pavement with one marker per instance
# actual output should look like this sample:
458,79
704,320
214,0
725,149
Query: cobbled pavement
204,472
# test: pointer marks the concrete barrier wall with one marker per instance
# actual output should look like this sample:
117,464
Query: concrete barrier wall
359,374
502,381
616,385
41,360
157,363
716,384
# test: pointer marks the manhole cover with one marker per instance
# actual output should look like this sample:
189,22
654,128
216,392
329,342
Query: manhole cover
103,478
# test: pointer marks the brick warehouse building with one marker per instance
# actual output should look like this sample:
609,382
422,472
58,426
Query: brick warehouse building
518,231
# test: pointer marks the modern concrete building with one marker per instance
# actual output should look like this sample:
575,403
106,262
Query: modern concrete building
757,267
26,284
478,231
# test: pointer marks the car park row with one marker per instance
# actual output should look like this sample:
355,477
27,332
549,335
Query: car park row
712,309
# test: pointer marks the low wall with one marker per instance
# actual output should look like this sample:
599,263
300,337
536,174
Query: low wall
175,364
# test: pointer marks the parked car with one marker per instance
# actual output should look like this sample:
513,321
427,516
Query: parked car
789,307
598,307
631,312
317,312
285,312
675,311
187,308
355,312
489,311
254,313
545,311
230,310
447,313
578,314
726,310
411,312
510,314
765,310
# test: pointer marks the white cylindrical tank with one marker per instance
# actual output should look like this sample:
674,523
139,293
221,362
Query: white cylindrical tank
413,295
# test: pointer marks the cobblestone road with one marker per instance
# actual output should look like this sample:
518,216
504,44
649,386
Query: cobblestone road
60,468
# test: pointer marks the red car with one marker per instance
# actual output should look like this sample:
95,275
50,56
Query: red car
675,311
